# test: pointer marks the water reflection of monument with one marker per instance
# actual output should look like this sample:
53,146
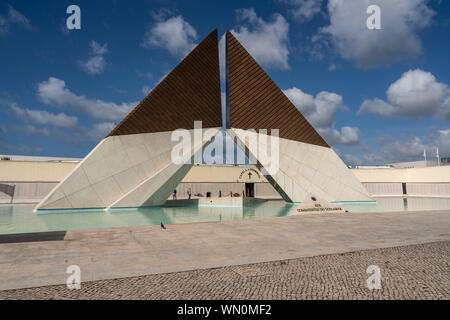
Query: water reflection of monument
194,213
397,204
6,215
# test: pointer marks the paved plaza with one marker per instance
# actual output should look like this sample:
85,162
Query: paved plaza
137,251
408,272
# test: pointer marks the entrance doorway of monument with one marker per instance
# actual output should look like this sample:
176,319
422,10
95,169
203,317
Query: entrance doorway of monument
250,190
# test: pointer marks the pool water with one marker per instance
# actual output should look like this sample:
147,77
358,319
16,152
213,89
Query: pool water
22,219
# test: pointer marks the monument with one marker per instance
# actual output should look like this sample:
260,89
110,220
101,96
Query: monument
132,166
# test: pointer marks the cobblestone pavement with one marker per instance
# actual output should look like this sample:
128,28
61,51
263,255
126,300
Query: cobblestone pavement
409,272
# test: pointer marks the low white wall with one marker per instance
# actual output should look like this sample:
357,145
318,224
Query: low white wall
428,189
412,175
34,171
26,192
428,181
34,180
384,189
412,189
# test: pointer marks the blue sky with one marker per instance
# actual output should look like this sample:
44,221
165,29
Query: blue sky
377,96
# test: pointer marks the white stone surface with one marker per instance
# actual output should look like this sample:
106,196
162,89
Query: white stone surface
129,170
309,169
315,205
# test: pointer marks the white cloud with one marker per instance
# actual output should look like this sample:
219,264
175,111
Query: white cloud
303,101
146,90
444,110
223,99
75,136
20,149
410,149
96,63
401,149
321,111
349,159
54,92
396,41
267,41
174,34
44,117
415,95
18,18
100,130
4,26
98,49
441,139
222,57
346,136
161,78
378,107
14,17
304,10
34,131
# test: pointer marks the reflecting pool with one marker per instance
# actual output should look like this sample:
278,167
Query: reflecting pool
22,219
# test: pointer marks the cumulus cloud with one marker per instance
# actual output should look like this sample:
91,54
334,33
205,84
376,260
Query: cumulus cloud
391,149
222,57
20,149
18,18
304,10
98,49
13,17
100,130
55,93
146,90
441,139
346,136
33,131
410,148
326,106
174,34
44,117
75,136
96,63
415,95
4,26
267,41
397,40
321,111
349,159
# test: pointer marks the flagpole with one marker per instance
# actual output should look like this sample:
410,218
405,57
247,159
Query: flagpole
437,156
